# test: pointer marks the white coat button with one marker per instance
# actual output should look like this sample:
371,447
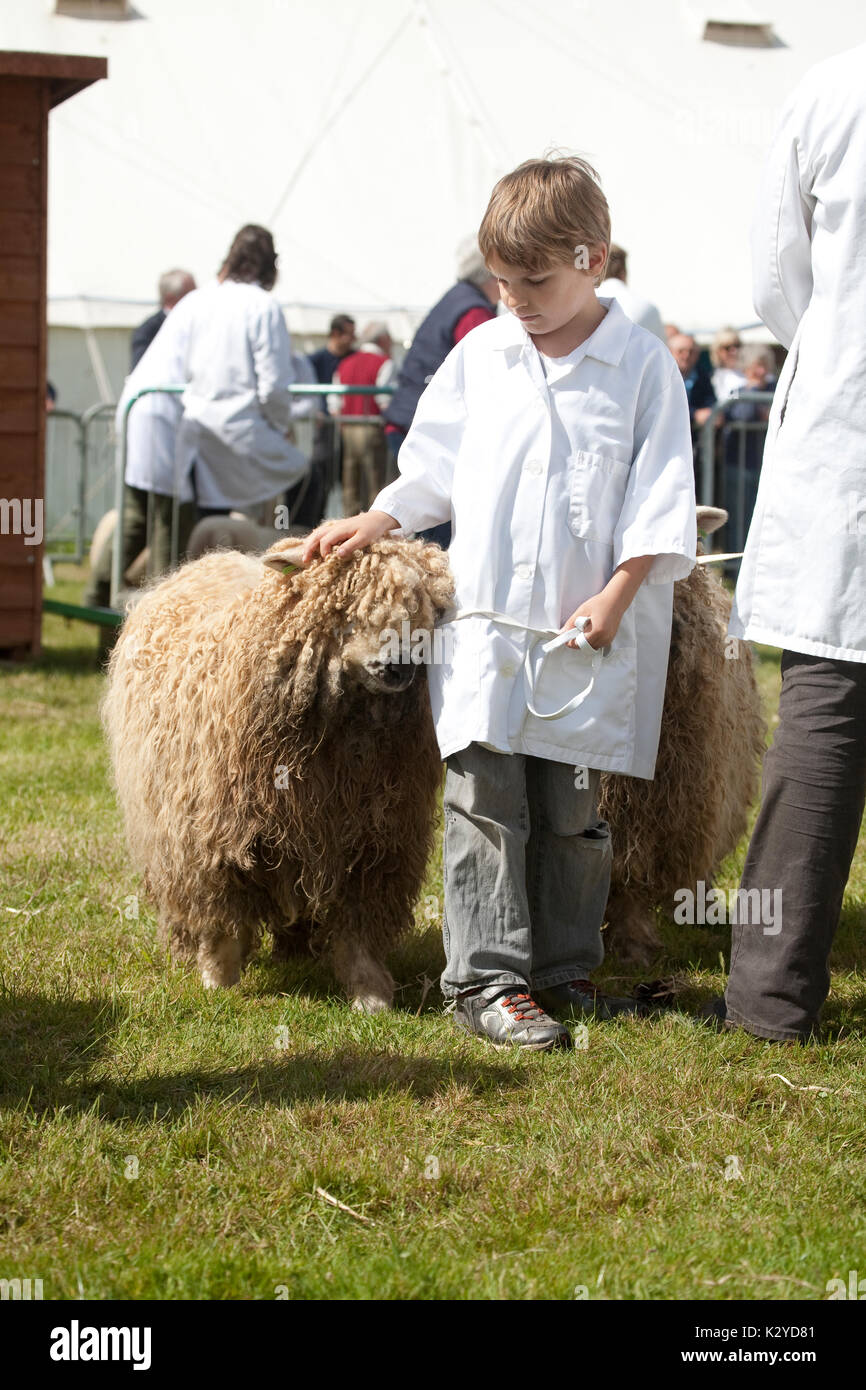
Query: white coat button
534,467
524,571
507,670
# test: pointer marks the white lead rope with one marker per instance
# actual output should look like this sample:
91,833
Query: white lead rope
555,639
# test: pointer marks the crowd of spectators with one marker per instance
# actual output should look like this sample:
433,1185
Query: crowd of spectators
230,442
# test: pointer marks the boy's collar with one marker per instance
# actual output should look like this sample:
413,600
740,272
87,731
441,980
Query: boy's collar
606,344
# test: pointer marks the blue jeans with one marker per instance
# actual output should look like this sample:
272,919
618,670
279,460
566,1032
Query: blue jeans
526,872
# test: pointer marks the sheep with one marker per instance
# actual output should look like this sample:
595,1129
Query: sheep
276,765
235,531
670,832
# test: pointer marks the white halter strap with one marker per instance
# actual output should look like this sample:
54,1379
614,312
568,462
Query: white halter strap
555,639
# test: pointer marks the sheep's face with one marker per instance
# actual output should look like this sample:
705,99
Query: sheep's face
369,657
375,611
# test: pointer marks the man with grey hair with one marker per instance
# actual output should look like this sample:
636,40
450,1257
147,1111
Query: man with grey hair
173,285
360,416
472,301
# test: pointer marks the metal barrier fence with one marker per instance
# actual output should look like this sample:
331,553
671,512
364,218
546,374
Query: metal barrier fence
307,432
730,452
79,478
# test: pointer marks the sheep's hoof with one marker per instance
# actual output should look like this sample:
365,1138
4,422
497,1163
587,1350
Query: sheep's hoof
371,1003
220,964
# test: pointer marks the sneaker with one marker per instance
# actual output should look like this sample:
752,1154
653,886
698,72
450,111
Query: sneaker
510,1019
583,999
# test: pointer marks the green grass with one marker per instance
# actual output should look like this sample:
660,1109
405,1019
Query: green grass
602,1168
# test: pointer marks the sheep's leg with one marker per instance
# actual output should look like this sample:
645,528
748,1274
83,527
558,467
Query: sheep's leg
366,981
221,958
631,932
179,940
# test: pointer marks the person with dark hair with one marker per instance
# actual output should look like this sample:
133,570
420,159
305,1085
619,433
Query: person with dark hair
173,285
341,340
233,441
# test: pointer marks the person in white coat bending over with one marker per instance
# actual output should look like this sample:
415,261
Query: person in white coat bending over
233,438
556,441
802,584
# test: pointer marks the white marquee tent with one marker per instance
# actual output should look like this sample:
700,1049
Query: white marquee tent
368,138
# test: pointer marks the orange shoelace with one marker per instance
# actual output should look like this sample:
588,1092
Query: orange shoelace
522,1006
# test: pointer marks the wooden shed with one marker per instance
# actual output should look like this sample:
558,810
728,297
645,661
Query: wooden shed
30,85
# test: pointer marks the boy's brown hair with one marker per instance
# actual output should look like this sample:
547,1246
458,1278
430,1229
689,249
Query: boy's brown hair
543,212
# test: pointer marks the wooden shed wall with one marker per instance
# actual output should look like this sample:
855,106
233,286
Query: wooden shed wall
24,106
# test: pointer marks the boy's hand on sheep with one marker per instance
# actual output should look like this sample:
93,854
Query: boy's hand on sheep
348,534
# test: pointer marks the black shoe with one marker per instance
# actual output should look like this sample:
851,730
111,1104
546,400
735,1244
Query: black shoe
510,1019
715,1014
583,999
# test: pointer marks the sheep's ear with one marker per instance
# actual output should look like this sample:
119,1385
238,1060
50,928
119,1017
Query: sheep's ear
710,519
285,556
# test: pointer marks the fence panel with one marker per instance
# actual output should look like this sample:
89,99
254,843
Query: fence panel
65,485
731,447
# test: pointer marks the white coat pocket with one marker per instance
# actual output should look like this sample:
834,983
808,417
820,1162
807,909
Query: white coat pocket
597,491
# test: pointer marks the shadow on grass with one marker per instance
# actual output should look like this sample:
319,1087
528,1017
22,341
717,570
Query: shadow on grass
339,1075
46,1045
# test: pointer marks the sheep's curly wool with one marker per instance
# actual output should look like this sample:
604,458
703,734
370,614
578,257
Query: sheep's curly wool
676,829
263,780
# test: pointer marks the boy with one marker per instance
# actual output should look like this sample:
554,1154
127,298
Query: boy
556,440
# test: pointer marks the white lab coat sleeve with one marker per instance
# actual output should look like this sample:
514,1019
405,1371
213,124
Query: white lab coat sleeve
658,510
421,496
782,231
272,361
384,377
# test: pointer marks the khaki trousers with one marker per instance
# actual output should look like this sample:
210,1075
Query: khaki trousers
363,466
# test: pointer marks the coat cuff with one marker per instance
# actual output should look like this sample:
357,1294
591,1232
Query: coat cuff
667,567
401,512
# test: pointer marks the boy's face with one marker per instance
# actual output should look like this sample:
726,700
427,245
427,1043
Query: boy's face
546,300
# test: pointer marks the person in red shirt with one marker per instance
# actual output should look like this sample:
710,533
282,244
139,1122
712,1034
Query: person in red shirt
360,417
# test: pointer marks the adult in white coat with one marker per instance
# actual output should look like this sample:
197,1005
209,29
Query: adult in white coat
151,439
802,586
237,414
151,423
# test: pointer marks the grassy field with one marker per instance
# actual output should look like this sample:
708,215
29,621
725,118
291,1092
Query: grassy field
157,1142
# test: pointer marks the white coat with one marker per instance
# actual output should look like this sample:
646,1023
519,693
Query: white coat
550,483
801,583
154,419
237,404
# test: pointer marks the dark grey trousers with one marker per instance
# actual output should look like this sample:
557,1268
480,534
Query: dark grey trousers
814,787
